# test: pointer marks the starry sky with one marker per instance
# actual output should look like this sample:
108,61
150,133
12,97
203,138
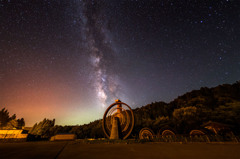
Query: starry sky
71,59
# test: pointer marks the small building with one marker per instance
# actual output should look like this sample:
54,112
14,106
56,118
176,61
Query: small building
13,134
63,137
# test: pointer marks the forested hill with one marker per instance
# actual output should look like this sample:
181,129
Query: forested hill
185,113
191,110
210,97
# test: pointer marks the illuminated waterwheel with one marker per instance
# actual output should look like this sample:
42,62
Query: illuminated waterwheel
146,133
196,133
118,121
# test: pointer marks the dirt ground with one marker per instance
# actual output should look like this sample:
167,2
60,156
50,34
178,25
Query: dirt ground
74,150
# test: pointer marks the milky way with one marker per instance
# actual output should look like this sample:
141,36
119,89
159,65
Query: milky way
99,49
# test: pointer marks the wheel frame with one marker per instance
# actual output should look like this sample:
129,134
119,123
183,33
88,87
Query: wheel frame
140,135
104,119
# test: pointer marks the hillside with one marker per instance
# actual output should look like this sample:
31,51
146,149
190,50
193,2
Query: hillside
189,111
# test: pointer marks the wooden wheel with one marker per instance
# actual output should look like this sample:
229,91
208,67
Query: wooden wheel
146,133
125,117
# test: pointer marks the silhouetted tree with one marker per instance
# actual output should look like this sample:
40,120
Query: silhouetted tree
4,117
21,123
10,122
43,128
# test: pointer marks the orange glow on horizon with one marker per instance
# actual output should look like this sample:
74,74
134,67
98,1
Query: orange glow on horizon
47,100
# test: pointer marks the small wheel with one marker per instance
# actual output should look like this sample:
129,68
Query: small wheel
146,133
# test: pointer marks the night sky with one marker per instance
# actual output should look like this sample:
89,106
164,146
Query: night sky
71,59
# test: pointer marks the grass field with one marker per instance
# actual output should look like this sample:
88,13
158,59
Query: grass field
74,150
